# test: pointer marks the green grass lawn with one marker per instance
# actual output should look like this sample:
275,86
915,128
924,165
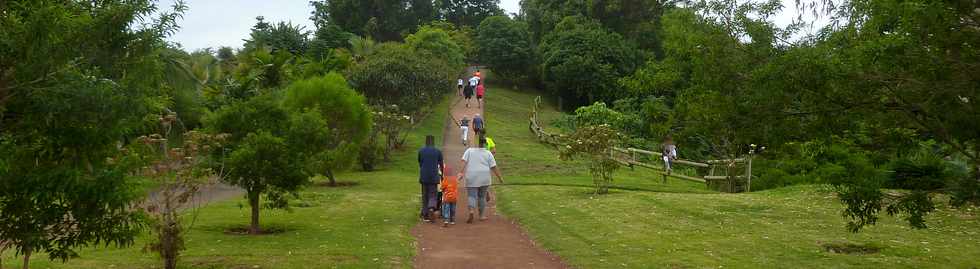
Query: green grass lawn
647,224
363,226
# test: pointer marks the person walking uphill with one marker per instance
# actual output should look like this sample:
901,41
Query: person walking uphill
477,164
430,163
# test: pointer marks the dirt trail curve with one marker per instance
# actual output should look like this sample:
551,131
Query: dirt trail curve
495,243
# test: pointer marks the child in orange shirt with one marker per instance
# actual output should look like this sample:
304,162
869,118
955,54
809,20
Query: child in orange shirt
449,193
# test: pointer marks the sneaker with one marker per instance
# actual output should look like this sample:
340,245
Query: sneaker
452,223
432,215
445,224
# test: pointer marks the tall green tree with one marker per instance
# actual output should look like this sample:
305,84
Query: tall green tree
504,46
395,74
468,12
909,64
437,43
346,126
581,61
259,155
384,20
77,79
639,20
279,36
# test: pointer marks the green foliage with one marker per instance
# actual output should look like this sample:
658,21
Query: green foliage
77,79
638,20
504,46
326,39
341,126
385,20
582,61
463,36
596,143
280,36
432,42
258,155
467,13
398,75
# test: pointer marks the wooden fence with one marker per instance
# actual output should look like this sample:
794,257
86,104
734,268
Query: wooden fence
723,175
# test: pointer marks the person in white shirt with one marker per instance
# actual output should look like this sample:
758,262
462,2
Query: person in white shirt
459,86
477,164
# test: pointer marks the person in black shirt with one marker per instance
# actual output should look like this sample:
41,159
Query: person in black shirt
430,163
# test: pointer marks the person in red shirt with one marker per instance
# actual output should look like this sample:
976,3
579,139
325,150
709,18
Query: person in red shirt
480,90
449,186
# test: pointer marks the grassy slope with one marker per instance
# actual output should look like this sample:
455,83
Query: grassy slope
365,226
682,225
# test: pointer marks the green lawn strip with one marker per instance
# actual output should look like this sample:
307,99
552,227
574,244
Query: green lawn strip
362,226
646,224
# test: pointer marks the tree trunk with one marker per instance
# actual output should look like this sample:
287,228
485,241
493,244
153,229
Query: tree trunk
333,181
253,201
27,258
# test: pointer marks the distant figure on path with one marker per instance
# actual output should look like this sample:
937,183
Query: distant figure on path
477,165
459,86
449,185
464,128
474,82
430,163
468,92
478,125
480,90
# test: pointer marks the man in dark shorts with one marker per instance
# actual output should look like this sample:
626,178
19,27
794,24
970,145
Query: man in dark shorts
477,125
430,163
468,94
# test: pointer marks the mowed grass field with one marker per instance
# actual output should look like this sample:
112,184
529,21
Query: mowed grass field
647,224
362,226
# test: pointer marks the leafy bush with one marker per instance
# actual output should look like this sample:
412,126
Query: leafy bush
433,42
346,121
596,143
504,45
582,61
395,74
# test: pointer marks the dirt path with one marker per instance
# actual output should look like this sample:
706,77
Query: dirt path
495,243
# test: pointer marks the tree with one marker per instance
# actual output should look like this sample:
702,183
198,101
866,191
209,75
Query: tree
347,122
398,75
178,170
279,36
76,80
385,20
258,156
504,46
462,36
469,13
638,20
582,62
328,38
909,64
433,42
596,143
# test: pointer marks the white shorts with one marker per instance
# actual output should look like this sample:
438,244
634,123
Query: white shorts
466,131
666,162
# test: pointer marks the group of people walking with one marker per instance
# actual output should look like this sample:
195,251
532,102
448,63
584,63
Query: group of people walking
477,166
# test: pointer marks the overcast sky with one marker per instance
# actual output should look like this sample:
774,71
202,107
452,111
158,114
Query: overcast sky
215,23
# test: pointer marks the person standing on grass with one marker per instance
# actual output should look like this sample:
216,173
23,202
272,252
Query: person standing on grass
477,165
430,163
464,129
668,153
477,125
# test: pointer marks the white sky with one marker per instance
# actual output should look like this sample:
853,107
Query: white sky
215,23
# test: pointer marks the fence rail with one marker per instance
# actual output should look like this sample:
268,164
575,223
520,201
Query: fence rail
730,181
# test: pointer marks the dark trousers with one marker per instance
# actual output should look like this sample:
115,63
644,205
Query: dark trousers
429,198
